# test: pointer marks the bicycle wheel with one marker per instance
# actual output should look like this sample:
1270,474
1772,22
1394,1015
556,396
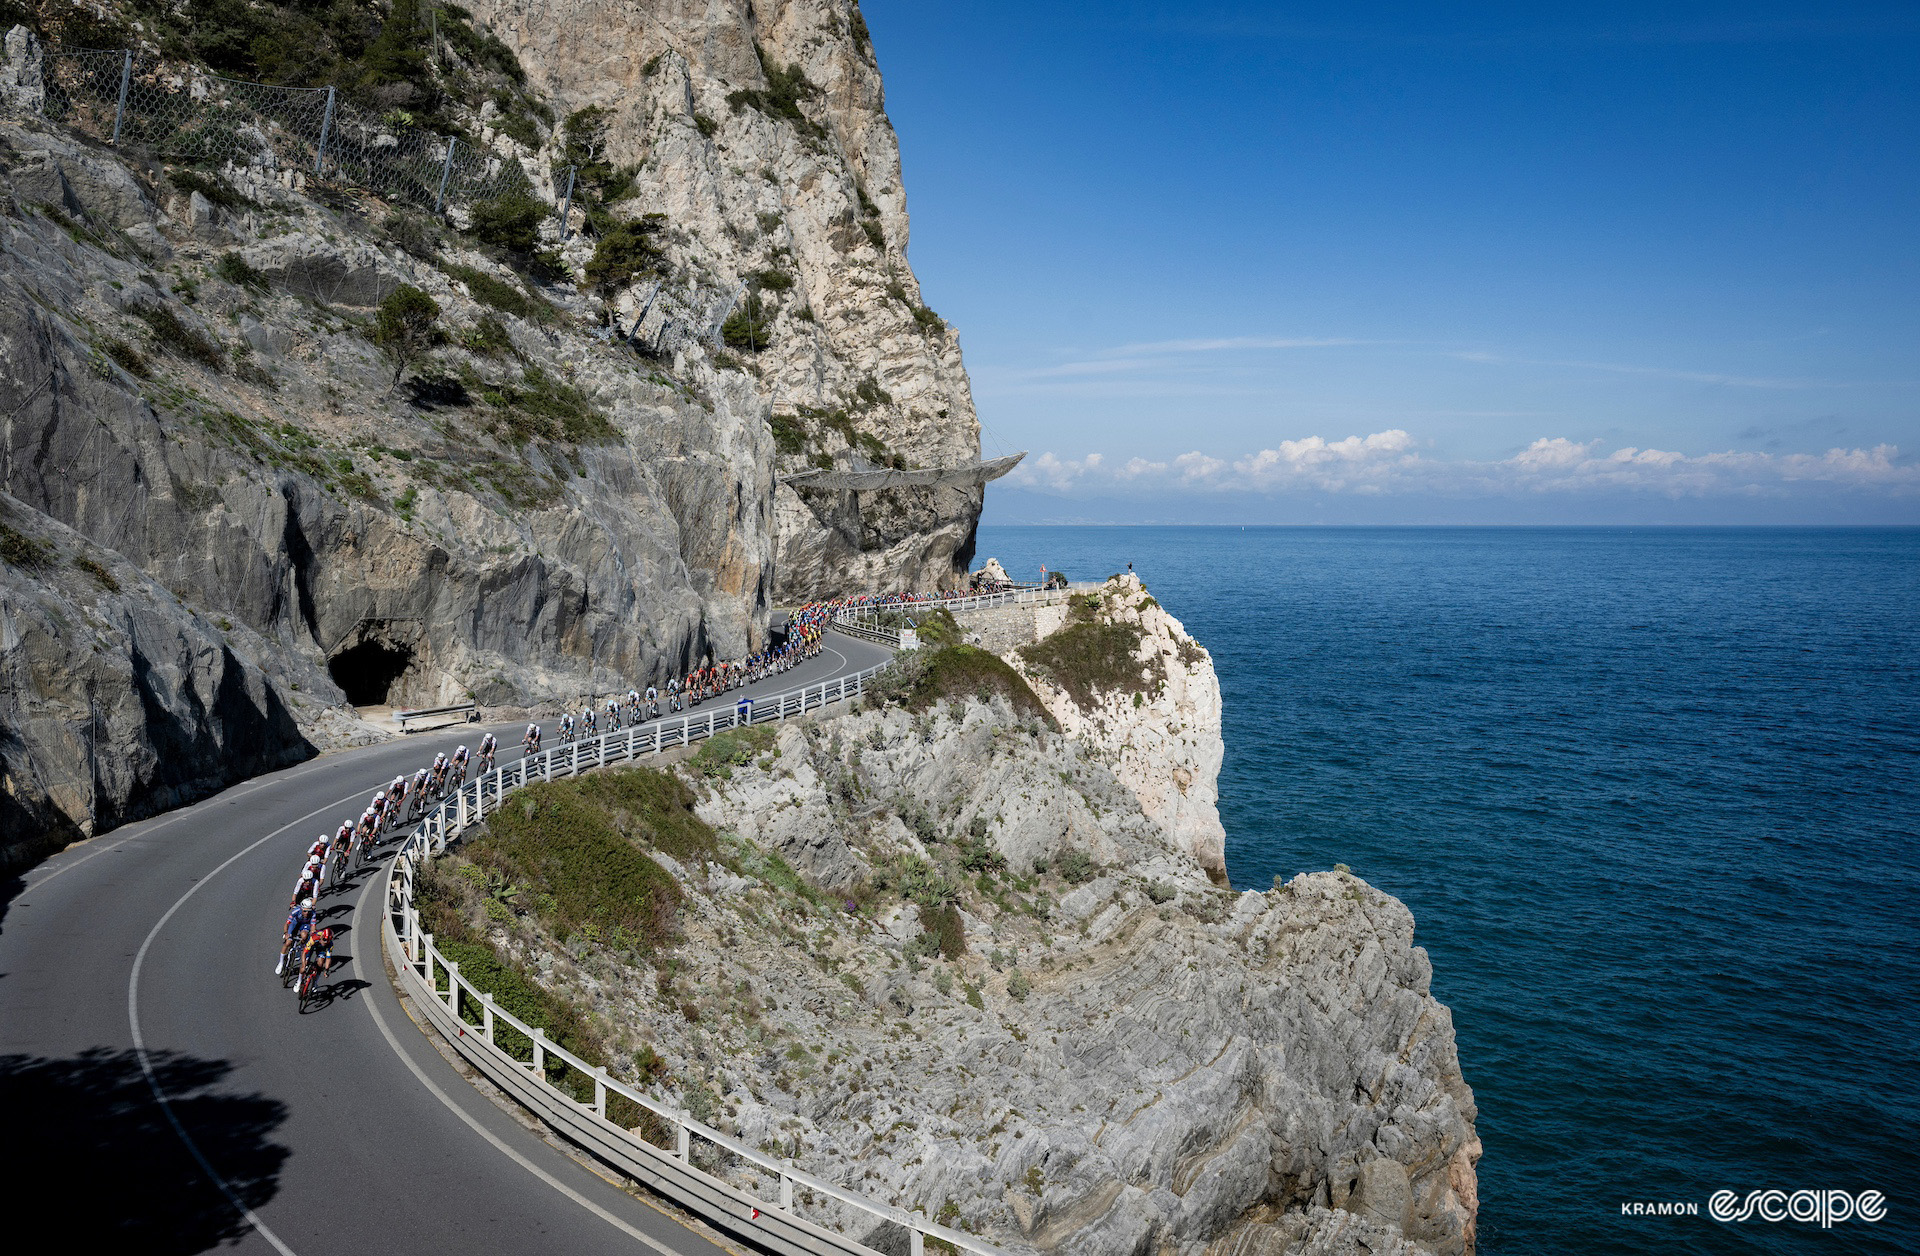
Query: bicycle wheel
306,988
292,970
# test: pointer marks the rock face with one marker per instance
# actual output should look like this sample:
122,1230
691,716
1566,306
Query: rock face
811,190
1161,736
530,511
95,654
1019,1003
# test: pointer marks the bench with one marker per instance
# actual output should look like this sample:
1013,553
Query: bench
471,710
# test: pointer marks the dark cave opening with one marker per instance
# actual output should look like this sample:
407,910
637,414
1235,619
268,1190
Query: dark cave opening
366,672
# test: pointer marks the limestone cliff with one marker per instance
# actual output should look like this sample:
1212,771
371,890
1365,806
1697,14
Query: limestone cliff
532,503
760,131
944,954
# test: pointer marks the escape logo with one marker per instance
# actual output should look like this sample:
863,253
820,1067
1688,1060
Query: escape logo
1828,1207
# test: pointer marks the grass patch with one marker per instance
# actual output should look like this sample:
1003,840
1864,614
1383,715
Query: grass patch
237,271
101,576
502,295
918,680
1091,657
937,628
128,358
23,551
212,187
541,407
174,335
723,752
577,844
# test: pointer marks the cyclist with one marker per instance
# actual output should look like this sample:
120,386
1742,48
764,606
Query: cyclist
673,693
319,848
653,703
530,742
613,715
459,766
300,920
586,721
316,957
308,886
487,747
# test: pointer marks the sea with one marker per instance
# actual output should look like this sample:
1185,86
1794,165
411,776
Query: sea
1652,796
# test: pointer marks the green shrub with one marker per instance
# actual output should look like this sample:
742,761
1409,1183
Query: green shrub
502,295
1077,867
486,336
937,627
771,280
749,324
787,86
1092,657
23,551
628,249
875,236
101,576
584,870
510,222
951,932
1161,892
541,407
920,679
130,359
1018,988
414,234
235,270
928,320
789,432
405,326
176,336
723,752
212,187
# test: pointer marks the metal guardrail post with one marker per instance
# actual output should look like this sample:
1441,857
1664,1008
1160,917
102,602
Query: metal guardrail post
486,1015
446,172
600,1090
683,1144
539,1052
120,109
326,129
786,1192
453,987
916,1243
566,210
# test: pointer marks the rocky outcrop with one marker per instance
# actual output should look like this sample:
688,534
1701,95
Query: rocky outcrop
117,698
1159,732
1018,1003
531,510
804,185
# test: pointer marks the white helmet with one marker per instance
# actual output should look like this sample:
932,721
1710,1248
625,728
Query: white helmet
461,753
306,902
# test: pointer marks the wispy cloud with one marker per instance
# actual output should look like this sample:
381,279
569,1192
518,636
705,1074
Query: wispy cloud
1391,461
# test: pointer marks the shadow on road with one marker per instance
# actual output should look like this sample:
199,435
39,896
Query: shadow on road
88,1147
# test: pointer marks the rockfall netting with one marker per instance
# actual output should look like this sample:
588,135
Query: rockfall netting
291,135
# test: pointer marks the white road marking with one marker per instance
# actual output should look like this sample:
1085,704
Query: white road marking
380,1022
140,1042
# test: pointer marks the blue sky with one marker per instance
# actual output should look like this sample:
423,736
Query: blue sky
1260,263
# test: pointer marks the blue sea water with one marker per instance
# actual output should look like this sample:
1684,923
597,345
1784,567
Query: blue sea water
1652,796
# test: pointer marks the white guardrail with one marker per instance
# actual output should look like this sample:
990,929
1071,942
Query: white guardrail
775,1224
854,620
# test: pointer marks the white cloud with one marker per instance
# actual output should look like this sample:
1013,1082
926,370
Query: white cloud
1390,462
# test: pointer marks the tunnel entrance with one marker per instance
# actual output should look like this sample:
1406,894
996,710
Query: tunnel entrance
366,672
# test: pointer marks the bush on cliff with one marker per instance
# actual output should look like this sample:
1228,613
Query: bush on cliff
919,679
578,846
1090,657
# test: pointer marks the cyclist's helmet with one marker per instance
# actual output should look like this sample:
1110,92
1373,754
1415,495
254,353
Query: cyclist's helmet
306,902
326,935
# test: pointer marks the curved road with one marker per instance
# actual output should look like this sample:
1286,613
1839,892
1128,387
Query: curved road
141,961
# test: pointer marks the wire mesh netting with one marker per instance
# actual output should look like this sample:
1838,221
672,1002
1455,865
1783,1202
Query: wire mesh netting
288,134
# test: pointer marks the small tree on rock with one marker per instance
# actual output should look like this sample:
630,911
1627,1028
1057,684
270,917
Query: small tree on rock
405,327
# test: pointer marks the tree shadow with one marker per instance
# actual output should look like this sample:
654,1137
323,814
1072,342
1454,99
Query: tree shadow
86,1143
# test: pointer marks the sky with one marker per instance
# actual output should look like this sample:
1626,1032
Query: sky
1232,262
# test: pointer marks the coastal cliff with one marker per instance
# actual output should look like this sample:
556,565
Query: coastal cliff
535,501
957,957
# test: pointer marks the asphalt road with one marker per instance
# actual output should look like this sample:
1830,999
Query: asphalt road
141,962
